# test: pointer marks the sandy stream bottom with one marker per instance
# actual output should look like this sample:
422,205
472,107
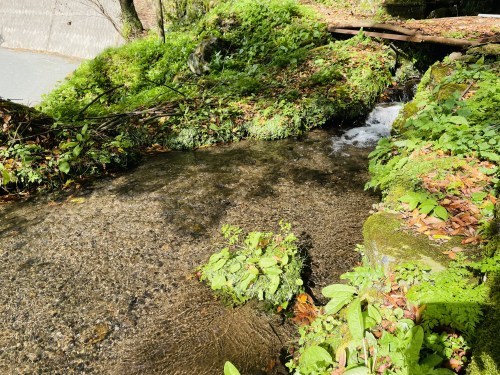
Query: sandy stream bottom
105,284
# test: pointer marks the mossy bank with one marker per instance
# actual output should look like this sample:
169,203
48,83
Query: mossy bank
271,71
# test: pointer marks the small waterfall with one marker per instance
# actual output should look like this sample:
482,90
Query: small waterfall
377,125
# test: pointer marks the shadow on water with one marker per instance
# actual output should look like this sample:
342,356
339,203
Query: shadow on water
105,285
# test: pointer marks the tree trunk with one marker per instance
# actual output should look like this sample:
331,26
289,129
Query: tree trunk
132,23
160,19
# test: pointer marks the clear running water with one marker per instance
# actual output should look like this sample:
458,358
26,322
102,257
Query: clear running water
377,125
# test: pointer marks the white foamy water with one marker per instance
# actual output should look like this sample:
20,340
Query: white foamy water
377,125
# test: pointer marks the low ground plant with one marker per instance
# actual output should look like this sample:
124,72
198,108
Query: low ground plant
259,265
408,321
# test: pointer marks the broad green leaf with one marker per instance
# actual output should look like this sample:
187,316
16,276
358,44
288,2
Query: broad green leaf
479,196
431,361
361,370
5,177
273,271
459,120
441,212
253,239
493,156
416,338
368,321
355,320
299,282
425,209
219,264
315,356
230,369
274,283
337,302
374,313
267,262
284,259
441,371
430,202
77,150
218,281
331,290
253,270
235,267
245,282
64,167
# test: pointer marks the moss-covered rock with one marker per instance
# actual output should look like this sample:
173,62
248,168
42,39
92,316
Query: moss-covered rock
490,49
387,244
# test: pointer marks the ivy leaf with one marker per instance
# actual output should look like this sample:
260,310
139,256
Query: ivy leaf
355,320
230,369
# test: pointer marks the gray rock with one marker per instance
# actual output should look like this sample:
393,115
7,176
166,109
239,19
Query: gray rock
198,61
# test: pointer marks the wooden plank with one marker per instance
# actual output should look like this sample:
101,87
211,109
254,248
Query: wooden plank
410,38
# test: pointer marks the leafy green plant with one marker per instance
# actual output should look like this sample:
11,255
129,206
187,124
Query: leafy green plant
425,204
263,265
393,323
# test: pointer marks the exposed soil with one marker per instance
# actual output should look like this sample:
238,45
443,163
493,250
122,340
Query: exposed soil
103,282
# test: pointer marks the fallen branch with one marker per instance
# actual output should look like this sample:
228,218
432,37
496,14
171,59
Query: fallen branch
96,99
372,25
408,38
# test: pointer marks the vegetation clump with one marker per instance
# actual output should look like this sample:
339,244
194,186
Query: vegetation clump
262,265
440,167
407,321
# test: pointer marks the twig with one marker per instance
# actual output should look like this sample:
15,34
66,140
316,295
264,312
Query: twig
466,90
96,99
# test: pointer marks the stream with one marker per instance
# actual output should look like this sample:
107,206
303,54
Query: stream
102,281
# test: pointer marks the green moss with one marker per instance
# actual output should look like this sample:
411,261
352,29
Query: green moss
486,358
445,91
409,110
387,244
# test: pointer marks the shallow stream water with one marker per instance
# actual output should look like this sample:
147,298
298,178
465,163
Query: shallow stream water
102,281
